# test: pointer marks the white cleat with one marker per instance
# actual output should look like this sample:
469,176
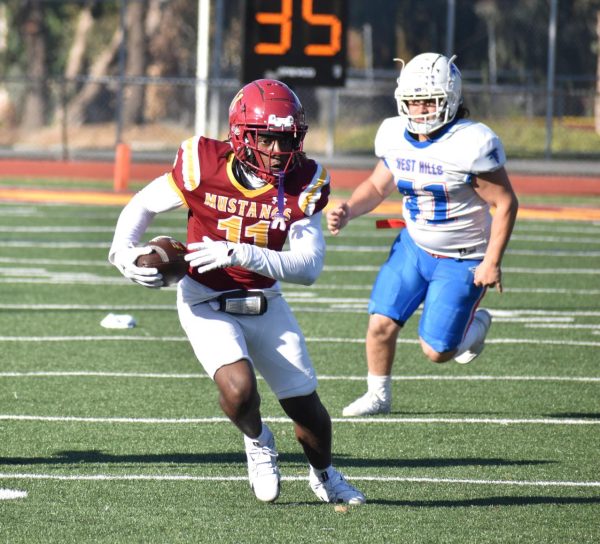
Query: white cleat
367,405
263,471
330,486
484,322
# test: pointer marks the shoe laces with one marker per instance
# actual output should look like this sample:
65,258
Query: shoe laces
263,459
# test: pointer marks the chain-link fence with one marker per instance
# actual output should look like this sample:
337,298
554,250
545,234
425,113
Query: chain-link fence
342,121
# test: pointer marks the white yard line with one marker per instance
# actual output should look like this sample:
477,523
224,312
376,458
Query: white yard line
352,420
517,316
67,278
327,268
506,269
11,494
244,478
426,378
521,229
55,229
67,229
516,236
299,305
554,228
560,326
22,276
532,312
56,245
538,252
550,291
333,340
520,235
554,239
368,286
89,307
330,248
54,262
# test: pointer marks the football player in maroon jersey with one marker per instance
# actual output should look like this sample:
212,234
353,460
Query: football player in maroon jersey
246,197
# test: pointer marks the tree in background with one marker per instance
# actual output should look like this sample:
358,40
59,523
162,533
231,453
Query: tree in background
32,28
136,60
597,104
73,39
85,59
158,39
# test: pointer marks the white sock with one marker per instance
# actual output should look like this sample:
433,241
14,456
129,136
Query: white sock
263,437
380,386
475,333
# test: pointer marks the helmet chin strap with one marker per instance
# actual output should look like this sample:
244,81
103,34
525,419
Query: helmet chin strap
279,219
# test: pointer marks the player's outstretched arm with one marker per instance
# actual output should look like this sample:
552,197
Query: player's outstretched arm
365,198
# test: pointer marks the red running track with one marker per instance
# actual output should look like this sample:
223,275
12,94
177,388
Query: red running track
340,178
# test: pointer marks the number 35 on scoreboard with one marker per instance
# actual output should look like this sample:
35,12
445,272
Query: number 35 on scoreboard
301,42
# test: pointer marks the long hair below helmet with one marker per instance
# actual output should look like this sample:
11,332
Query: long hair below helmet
266,106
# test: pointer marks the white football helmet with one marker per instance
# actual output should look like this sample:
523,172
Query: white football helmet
429,76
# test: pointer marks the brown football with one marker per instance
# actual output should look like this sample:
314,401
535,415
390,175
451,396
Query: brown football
167,256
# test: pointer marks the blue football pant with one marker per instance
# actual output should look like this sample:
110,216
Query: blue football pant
411,276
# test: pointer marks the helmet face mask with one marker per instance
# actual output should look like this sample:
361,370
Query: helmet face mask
266,128
429,76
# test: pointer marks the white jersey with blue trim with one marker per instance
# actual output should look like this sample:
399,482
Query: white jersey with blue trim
443,213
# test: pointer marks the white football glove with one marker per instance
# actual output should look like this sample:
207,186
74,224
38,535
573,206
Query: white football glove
124,259
210,255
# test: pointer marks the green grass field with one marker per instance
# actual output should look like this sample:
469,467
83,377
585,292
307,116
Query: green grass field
115,435
523,137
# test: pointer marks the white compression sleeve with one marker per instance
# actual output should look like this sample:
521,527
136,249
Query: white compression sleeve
302,263
158,196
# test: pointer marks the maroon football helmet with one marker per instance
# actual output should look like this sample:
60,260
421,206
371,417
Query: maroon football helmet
266,106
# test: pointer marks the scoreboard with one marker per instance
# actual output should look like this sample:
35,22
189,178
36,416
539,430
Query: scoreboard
300,42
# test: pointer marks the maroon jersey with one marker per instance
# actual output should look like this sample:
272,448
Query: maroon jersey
223,209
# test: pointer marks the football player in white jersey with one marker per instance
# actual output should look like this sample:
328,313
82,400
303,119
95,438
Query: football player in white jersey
450,171
245,197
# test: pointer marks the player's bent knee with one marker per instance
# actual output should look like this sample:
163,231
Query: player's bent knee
436,356
236,383
440,357
382,327
237,402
